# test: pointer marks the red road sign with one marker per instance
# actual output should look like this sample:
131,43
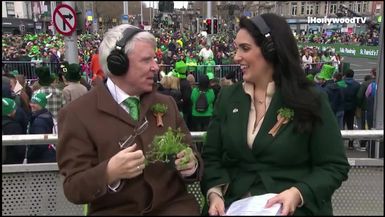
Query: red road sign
64,19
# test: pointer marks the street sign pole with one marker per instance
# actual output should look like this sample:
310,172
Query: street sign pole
71,49
209,17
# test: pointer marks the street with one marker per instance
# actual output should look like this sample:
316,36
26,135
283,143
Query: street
361,66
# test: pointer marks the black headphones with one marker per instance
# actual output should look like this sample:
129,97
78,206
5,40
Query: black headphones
117,61
267,46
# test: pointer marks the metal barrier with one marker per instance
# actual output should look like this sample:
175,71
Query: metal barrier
220,71
27,68
37,189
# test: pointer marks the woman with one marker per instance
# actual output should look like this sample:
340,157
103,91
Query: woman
169,85
303,161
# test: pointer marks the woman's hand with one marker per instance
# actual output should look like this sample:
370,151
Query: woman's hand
290,199
217,205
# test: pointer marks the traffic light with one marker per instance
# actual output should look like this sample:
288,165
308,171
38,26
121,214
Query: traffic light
208,26
215,23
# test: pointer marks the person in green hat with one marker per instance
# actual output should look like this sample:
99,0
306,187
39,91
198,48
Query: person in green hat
10,126
74,89
41,123
334,92
180,69
210,63
56,99
191,63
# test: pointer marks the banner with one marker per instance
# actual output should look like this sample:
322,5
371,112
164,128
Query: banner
347,50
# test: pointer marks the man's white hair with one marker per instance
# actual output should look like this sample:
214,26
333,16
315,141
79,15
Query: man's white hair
114,35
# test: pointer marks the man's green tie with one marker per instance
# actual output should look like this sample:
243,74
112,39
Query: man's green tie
132,104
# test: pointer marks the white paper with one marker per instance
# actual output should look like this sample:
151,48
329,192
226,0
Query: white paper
254,205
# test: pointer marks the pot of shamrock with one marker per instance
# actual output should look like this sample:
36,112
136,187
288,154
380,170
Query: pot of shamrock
165,147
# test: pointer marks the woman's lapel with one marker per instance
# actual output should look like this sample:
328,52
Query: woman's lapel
263,137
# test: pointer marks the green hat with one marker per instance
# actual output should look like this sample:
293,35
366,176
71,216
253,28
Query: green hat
73,72
326,72
14,72
45,77
310,77
180,68
210,75
40,99
9,106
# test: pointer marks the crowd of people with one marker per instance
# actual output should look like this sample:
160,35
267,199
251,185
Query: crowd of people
255,128
369,38
187,66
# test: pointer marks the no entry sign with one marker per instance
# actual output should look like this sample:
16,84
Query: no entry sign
64,19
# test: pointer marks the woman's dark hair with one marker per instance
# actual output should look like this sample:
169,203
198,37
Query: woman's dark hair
288,75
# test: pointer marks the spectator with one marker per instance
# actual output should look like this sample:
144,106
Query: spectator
307,60
11,154
74,89
96,70
169,85
54,95
41,123
201,119
350,101
206,52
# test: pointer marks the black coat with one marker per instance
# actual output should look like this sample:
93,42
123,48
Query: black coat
335,95
350,94
41,123
14,154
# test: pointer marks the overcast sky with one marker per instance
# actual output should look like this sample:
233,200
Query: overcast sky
177,4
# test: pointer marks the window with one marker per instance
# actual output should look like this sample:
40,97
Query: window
309,9
333,8
365,7
326,8
10,9
359,7
317,8
294,8
302,7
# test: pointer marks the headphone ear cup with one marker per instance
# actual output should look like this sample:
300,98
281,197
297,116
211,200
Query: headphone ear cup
268,50
117,63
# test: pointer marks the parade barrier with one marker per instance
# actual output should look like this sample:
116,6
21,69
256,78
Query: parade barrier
37,189
27,68
347,50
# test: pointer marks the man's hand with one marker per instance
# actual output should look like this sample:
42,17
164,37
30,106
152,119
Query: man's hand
125,164
217,205
289,198
186,162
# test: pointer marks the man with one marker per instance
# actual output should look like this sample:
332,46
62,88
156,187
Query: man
102,142
54,95
206,52
11,154
74,89
350,101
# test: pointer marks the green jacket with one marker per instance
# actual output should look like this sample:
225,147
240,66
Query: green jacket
210,96
314,162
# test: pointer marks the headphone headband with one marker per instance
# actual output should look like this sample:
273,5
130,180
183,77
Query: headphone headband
127,35
261,25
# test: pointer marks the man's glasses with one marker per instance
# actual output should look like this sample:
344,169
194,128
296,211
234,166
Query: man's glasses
127,141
